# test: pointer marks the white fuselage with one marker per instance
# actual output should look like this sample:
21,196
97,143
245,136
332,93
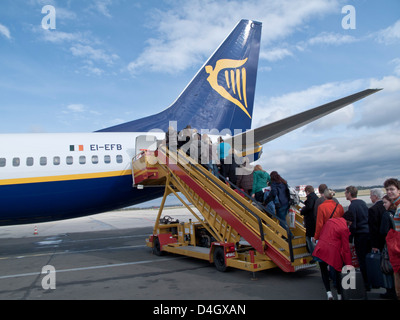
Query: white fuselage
54,174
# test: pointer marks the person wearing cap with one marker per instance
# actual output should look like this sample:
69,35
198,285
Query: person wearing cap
333,249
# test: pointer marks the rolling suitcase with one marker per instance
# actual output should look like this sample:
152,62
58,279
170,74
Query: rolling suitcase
374,273
355,288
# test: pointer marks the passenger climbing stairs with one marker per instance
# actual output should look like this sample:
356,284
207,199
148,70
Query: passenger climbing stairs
230,229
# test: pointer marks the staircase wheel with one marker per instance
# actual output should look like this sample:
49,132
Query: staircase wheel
219,259
157,248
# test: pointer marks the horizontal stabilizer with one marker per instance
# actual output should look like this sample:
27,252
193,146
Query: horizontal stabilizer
276,129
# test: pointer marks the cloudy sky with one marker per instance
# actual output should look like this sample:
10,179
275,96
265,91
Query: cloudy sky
105,59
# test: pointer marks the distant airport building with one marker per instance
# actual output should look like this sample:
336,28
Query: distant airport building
302,193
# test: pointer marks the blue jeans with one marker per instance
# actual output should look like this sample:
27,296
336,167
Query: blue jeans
270,205
282,213
214,169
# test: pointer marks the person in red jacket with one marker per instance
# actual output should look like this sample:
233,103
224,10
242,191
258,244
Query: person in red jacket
333,249
326,210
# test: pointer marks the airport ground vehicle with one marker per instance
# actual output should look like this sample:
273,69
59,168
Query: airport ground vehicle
231,229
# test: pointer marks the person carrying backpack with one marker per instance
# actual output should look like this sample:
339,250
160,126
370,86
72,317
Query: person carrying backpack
279,188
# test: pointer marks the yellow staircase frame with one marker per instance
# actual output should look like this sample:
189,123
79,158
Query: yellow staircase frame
225,214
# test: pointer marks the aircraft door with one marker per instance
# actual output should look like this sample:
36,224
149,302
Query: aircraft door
146,142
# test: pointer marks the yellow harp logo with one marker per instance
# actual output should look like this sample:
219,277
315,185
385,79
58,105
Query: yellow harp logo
235,78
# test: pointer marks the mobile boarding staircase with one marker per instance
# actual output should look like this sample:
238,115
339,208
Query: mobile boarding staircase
232,230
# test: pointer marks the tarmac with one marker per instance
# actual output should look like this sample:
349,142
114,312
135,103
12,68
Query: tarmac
114,220
105,257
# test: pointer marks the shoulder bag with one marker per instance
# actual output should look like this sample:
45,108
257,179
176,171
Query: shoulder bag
333,211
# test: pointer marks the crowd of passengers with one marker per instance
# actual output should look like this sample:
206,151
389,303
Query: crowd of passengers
330,231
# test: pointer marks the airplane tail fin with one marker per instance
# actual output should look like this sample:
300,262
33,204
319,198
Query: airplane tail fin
221,95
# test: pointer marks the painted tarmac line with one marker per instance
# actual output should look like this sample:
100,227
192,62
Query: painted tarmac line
107,238
90,268
71,252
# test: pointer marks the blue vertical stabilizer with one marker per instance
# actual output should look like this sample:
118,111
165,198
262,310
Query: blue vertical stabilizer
221,95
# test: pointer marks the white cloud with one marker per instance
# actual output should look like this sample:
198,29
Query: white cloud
5,31
76,108
101,6
275,54
192,29
330,38
379,109
61,13
60,37
88,52
41,2
355,145
396,62
82,44
372,112
276,108
338,160
390,35
79,112
389,83
93,70
66,14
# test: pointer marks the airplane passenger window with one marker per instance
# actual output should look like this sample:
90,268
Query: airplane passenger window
2,162
107,159
56,161
82,159
29,162
119,158
43,161
70,160
95,159
16,162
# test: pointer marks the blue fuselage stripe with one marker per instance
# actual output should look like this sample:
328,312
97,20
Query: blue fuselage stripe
35,202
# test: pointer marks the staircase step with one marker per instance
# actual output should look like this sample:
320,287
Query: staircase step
229,216
305,266
302,255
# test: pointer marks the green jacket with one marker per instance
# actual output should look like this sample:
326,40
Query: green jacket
260,180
